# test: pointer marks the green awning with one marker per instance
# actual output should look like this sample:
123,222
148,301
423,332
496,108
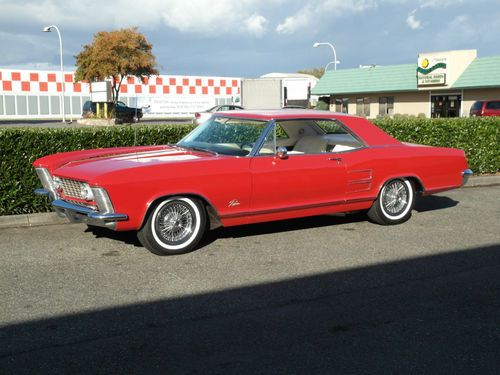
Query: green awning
481,73
391,78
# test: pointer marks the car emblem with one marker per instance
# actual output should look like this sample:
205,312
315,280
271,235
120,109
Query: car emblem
233,203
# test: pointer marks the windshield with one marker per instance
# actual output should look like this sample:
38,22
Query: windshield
227,136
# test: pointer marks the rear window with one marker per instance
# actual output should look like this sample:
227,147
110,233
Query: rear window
493,105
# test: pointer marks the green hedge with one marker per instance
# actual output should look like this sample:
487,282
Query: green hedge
19,147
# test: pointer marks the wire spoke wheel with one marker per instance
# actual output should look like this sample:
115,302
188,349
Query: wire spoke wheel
395,197
174,226
175,222
394,203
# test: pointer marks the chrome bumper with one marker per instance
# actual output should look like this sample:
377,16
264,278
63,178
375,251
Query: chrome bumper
81,214
465,176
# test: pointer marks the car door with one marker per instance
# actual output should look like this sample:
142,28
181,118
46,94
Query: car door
295,183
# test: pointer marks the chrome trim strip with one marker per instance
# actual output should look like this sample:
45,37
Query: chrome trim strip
46,180
465,175
102,200
42,192
296,208
260,141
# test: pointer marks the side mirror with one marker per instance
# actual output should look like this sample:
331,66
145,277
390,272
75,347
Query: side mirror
281,152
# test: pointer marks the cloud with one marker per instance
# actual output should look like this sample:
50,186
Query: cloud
412,21
256,25
310,13
193,16
296,22
439,3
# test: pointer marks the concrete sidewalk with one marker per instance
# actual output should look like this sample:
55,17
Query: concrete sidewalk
49,218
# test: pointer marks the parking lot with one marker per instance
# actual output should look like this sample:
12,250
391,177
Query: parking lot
330,294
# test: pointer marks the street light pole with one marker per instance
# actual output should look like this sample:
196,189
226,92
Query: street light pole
335,61
48,29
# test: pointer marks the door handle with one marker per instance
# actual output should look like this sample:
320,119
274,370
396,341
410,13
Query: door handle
338,160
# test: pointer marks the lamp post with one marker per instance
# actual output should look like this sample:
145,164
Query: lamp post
48,29
335,61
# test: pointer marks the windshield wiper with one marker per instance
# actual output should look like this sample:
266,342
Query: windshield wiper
194,148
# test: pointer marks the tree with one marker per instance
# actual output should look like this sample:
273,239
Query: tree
317,72
116,54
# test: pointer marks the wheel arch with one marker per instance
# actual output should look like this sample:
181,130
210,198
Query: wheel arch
417,182
213,216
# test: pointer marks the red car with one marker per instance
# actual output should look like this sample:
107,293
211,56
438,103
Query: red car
485,108
246,167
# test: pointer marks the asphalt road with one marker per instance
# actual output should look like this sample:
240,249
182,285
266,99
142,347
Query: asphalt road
325,295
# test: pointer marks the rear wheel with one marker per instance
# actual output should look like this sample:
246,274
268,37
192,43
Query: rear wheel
394,202
174,226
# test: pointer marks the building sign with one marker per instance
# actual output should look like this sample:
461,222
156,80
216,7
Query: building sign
101,91
175,106
431,71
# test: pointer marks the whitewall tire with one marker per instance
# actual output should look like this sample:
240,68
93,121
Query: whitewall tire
174,225
394,202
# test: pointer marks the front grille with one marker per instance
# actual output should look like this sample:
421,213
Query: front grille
71,188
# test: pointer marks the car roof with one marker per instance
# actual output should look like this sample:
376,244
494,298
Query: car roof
282,114
371,134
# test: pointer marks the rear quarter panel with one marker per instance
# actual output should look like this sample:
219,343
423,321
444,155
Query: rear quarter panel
437,169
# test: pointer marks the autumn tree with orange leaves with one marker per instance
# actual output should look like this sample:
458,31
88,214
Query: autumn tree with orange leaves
116,55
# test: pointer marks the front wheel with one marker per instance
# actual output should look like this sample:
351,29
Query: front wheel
174,226
394,202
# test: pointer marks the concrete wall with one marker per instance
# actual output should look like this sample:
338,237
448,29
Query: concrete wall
409,103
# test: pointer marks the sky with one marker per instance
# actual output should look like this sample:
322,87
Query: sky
248,38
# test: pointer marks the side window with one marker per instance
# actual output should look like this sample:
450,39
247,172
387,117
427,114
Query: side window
334,138
272,140
493,105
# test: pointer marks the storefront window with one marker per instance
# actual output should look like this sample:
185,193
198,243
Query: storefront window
341,105
363,107
445,105
386,105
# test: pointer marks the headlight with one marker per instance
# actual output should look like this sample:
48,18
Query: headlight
86,193
56,183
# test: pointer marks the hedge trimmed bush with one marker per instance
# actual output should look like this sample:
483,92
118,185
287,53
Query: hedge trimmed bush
19,147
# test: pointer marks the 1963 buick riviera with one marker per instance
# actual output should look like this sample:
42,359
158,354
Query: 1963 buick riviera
244,167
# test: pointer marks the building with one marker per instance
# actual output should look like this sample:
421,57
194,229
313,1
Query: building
277,90
36,94
441,84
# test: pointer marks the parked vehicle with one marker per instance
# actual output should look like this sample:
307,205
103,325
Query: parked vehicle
244,167
485,108
123,113
201,117
293,107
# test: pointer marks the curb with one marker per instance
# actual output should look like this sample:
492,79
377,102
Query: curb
31,220
51,218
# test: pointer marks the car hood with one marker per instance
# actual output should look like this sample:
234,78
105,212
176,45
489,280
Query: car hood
91,167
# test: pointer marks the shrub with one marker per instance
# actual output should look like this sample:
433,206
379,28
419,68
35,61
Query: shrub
19,147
